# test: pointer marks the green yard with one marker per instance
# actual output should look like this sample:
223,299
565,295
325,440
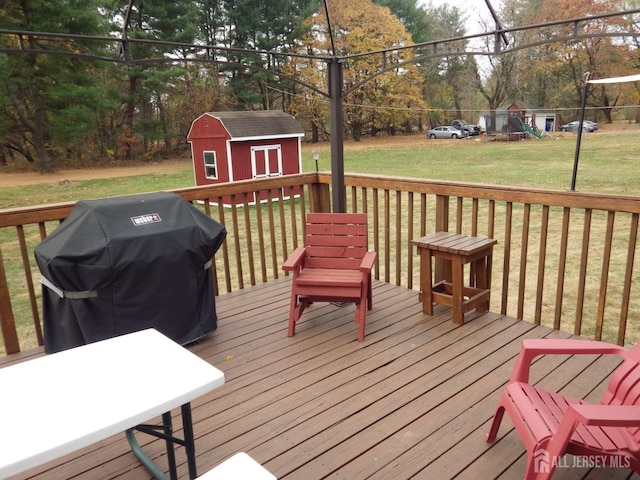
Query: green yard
608,163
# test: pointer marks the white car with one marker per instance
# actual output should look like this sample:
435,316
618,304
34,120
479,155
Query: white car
446,131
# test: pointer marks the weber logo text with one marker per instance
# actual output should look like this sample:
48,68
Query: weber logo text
146,219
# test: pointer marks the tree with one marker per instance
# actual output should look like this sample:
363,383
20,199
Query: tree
148,85
412,17
260,25
49,100
631,95
499,85
553,74
449,86
498,78
374,100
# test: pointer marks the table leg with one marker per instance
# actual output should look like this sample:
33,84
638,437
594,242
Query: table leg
165,432
167,425
143,457
457,274
481,281
426,281
189,442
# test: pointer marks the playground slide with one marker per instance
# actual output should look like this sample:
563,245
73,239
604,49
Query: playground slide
531,130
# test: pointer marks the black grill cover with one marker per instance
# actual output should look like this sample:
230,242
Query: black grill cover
122,264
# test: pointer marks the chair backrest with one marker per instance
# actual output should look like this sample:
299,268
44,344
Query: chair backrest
624,385
335,240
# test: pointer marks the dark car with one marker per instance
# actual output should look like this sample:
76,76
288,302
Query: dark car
470,129
587,126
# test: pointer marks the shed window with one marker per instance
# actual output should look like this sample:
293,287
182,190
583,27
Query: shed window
210,166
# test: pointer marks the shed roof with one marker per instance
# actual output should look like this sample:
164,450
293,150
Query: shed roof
259,123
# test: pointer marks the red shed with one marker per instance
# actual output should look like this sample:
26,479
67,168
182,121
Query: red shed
232,146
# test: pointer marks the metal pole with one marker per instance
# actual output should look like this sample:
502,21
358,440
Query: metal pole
585,87
336,124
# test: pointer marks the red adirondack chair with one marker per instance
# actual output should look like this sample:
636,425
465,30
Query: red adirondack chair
333,266
551,424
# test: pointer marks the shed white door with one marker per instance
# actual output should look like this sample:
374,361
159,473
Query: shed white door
266,161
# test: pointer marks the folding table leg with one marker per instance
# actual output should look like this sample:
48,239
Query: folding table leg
165,432
189,442
143,457
167,425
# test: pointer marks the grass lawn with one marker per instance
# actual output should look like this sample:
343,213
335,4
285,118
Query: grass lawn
608,163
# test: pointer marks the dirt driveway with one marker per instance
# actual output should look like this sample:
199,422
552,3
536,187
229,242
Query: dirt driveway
8,179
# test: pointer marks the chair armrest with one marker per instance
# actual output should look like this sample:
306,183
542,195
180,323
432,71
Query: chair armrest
607,415
367,262
588,414
533,347
294,260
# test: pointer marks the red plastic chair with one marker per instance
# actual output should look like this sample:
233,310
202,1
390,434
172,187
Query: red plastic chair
551,424
333,266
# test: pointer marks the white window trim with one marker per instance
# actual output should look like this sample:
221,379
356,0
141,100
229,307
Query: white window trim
215,164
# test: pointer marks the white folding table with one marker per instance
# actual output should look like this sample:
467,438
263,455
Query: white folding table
238,467
59,403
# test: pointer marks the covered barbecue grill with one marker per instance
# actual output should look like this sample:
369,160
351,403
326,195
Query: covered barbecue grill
123,264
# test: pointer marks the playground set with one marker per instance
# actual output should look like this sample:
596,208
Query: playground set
519,122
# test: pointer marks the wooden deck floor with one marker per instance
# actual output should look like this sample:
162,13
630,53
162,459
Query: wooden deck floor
411,401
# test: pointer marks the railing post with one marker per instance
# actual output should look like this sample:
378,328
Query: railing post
7,322
442,269
319,197
442,213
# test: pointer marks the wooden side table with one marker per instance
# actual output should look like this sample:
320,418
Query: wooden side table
457,250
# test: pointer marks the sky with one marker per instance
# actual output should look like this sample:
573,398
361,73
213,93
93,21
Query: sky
474,9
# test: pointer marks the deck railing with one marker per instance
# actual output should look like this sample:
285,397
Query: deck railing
563,259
